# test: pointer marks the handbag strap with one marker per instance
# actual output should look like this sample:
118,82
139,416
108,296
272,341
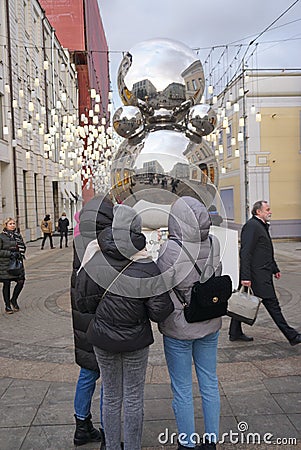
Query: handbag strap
111,284
193,261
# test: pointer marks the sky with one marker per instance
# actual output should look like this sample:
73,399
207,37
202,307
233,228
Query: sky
203,25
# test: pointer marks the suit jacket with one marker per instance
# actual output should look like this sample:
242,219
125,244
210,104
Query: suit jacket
257,261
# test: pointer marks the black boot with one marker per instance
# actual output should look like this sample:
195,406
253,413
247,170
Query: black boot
85,432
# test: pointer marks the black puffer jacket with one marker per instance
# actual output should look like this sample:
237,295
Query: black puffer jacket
95,216
122,319
10,241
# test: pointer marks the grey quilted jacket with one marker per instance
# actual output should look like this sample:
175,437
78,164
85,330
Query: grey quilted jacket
188,222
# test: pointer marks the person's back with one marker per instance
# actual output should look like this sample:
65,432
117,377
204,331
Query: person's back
93,218
120,284
189,223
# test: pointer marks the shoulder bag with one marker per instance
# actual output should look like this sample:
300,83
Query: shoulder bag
15,265
244,306
209,299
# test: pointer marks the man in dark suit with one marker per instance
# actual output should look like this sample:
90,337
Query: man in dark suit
257,267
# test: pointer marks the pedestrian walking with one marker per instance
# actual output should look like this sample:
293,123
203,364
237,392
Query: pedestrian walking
184,342
94,217
257,268
119,285
63,225
11,246
46,227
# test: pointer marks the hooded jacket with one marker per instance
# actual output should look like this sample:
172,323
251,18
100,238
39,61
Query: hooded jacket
96,215
46,225
131,299
188,222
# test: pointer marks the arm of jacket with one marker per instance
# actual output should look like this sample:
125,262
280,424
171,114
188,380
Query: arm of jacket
4,253
159,306
88,293
248,242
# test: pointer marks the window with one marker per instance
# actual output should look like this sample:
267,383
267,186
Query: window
228,202
36,197
1,116
229,146
25,198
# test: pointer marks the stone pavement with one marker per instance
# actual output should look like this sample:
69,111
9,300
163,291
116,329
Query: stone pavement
260,382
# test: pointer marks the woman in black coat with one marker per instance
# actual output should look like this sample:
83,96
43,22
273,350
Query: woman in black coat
11,246
125,291
93,218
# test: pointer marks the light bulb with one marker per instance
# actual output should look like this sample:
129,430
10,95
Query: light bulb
258,117
236,107
210,89
36,81
240,137
241,122
46,65
5,130
30,106
93,93
237,153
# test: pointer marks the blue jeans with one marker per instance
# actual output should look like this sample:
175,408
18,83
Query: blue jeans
85,388
179,355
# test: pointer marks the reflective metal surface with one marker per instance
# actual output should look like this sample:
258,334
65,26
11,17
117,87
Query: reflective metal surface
160,73
161,83
128,121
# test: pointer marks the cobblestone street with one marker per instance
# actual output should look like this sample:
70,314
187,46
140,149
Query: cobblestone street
260,381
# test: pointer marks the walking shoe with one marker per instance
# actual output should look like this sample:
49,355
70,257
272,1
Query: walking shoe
242,337
296,340
15,306
8,310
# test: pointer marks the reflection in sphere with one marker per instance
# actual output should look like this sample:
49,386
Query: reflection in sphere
160,73
201,120
128,121
161,168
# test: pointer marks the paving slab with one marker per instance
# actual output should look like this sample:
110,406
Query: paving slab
260,381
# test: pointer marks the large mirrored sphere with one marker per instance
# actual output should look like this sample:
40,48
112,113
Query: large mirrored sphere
162,166
161,74
128,121
201,120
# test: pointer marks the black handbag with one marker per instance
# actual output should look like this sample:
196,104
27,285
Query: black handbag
15,265
209,299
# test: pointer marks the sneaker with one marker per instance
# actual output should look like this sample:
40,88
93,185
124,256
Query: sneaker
8,310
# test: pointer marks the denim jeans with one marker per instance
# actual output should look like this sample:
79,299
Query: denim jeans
123,377
179,355
85,388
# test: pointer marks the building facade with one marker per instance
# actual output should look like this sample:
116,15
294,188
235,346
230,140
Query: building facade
79,28
38,120
259,149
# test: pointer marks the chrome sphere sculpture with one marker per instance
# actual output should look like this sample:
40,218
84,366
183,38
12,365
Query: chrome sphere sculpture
161,83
